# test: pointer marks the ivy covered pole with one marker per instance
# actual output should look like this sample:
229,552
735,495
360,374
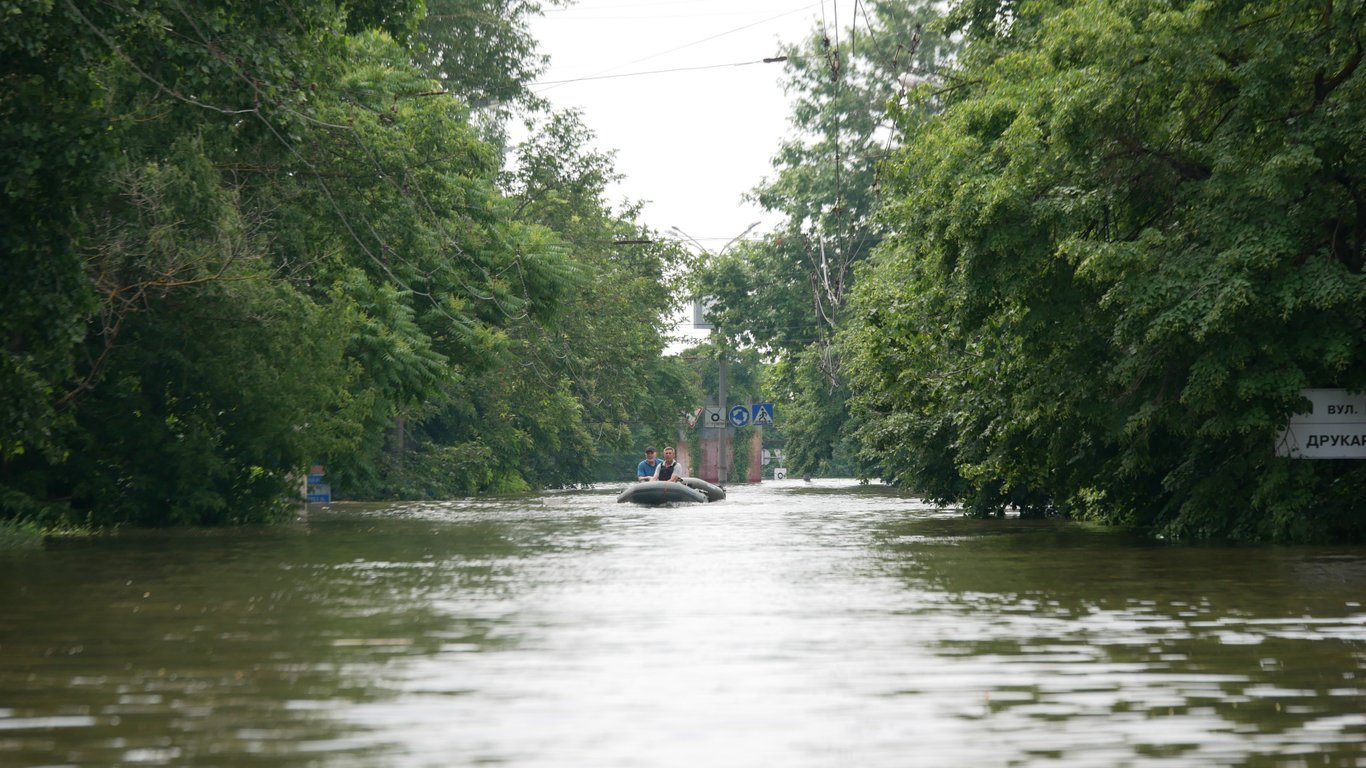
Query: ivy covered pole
723,460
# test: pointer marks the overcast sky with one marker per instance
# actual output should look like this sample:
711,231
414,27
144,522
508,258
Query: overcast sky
697,134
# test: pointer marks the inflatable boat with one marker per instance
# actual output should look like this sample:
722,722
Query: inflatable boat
712,492
656,492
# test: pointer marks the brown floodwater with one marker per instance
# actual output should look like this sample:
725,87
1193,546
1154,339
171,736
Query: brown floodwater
794,624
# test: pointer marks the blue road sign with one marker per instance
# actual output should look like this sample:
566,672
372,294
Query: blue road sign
739,415
762,415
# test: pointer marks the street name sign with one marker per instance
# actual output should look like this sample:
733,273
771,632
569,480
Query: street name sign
1333,428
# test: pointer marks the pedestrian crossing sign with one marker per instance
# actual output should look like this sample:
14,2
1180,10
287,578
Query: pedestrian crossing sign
762,415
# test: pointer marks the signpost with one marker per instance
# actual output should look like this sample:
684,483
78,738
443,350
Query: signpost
317,490
701,319
739,416
1334,427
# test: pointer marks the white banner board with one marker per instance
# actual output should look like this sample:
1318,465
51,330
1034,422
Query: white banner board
1333,428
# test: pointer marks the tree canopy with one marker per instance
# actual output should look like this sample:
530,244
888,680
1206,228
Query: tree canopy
1132,237
242,240
786,294
1070,257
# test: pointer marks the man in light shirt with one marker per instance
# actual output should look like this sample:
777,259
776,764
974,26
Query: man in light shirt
670,470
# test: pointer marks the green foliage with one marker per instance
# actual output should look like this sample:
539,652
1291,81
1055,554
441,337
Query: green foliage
787,293
608,361
240,240
54,150
816,418
1130,240
482,49
207,427
17,535
119,233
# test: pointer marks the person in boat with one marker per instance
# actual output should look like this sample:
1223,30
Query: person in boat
670,470
645,470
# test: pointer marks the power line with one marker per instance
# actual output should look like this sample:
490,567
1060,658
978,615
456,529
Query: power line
769,60
638,5
689,45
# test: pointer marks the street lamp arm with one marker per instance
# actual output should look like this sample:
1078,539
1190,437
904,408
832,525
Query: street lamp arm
704,249
733,240
723,454
689,238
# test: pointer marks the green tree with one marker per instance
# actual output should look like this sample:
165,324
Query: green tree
607,363
1131,239
612,359
442,278
54,151
267,239
482,50
561,392
787,294
139,276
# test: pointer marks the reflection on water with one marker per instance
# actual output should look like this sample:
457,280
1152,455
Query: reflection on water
794,624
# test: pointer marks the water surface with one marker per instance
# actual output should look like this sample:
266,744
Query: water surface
794,624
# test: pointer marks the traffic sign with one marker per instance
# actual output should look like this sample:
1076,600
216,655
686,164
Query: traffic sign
739,415
712,417
762,415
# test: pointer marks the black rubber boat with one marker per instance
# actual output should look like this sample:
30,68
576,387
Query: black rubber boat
656,492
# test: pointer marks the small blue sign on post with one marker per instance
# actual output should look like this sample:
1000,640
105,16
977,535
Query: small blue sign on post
739,415
317,491
762,415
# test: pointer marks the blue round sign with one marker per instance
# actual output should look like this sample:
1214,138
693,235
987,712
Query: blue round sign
739,415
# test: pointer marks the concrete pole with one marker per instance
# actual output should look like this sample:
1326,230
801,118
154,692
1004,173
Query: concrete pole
723,460
756,456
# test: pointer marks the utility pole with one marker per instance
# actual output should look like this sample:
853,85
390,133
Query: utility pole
723,468
723,459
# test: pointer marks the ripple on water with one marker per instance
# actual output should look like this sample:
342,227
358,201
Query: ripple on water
793,624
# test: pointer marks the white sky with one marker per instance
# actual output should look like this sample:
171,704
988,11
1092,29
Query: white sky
690,141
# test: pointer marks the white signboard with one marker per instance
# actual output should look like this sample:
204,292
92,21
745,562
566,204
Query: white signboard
1334,427
712,417
700,321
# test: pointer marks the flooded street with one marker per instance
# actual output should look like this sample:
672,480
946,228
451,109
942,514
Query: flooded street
794,624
